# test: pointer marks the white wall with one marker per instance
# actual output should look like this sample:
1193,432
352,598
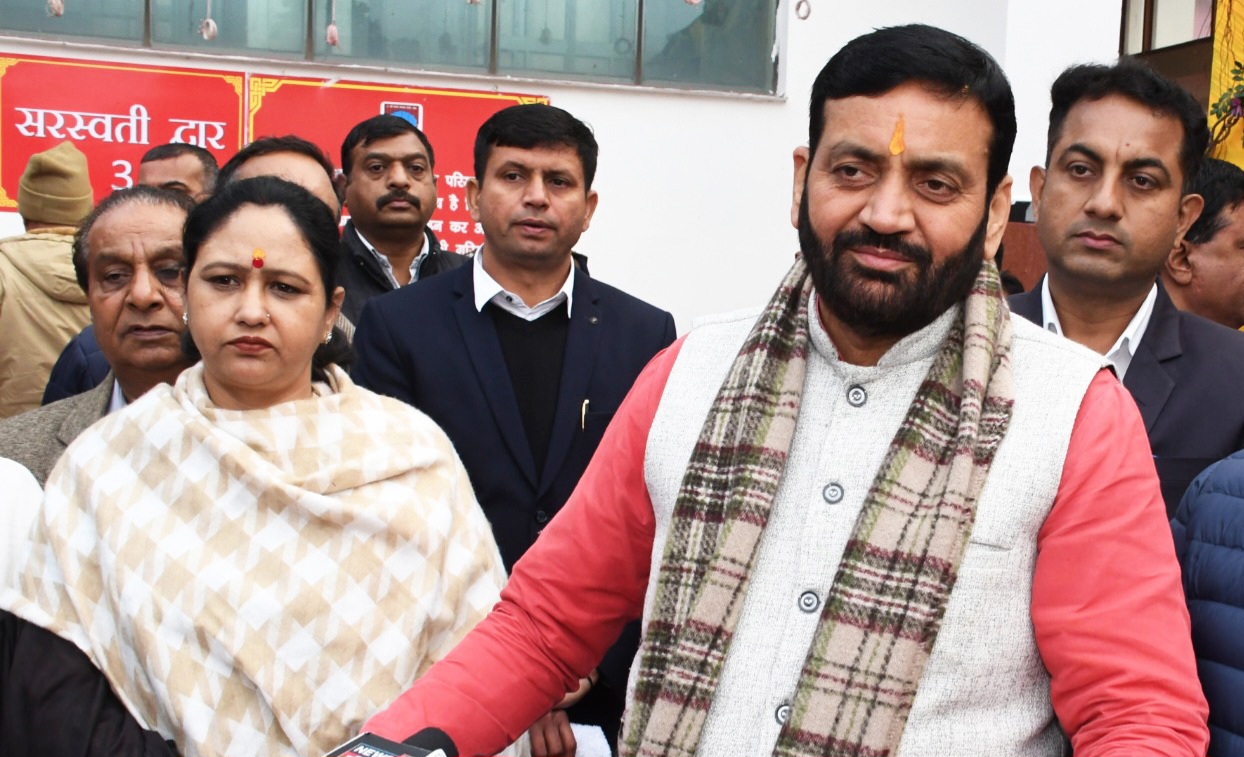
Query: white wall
695,189
10,225
1040,43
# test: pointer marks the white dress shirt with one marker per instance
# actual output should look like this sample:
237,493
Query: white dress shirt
1124,349
117,402
488,290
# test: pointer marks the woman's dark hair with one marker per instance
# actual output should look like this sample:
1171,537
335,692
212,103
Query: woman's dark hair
315,224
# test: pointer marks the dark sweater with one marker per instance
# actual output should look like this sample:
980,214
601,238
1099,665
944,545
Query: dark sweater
534,352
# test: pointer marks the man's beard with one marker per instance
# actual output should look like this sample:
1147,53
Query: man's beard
887,304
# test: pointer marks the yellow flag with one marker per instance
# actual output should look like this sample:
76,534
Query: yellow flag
1226,84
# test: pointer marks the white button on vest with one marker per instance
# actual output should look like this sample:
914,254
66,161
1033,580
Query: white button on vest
833,493
856,396
782,714
809,601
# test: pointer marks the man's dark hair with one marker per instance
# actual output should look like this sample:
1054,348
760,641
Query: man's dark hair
945,63
380,127
270,145
536,125
139,193
1134,80
177,149
1222,185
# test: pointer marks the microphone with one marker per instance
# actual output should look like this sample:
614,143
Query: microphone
433,739
430,742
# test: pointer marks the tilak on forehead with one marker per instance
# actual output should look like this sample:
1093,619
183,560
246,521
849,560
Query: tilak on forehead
257,257
897,143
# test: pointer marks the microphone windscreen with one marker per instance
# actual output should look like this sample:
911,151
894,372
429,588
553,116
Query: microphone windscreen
433,739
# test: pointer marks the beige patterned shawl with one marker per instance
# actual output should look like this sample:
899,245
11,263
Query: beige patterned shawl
260,582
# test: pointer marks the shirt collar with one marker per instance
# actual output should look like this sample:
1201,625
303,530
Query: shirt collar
1124,349
387,266
488,290
117,401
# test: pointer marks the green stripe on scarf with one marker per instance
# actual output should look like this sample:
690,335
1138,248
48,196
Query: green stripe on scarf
886,605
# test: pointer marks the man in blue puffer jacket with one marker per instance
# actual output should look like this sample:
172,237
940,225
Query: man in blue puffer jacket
1209,539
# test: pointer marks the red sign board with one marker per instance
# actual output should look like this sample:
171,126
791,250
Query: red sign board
113,113
325,111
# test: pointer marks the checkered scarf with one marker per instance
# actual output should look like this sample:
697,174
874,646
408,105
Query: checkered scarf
259,582
882,616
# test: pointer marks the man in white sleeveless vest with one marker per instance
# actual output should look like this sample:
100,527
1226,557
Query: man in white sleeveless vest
882,517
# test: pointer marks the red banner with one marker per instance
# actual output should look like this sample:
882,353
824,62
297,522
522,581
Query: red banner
325,111
113,113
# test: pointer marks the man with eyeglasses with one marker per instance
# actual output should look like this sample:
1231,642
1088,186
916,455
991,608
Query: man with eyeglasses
391,194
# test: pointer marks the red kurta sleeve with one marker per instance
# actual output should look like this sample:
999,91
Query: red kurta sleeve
565,604
1107,604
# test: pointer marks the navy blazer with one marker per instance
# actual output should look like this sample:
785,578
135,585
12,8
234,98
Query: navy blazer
428,346
1187,377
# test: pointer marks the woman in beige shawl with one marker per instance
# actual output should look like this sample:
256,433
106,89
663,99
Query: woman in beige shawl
262,555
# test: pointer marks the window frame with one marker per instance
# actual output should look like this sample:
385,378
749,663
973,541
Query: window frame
1147,30
771,87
